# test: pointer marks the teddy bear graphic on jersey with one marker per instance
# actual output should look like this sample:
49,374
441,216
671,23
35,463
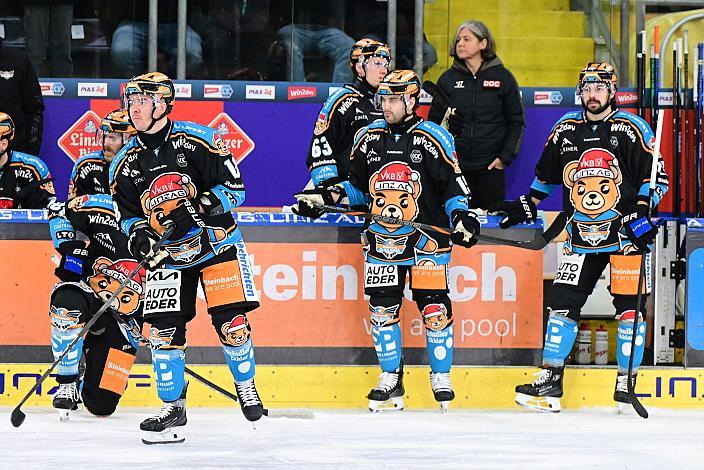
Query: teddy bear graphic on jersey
395,189
593,182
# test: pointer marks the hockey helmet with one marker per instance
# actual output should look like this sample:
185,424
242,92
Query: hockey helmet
153,83
117,121
400,82
598,72
366,48
7,127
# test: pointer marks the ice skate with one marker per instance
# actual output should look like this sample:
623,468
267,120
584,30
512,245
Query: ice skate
250,402
442,389
66,399
388,393
168,425
621,392
544,393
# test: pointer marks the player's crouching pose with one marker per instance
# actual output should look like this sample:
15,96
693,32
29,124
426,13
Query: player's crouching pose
89,274
405,168
603,157
180,174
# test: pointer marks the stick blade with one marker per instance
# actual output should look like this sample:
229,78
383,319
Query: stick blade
637,405
17,417
291,413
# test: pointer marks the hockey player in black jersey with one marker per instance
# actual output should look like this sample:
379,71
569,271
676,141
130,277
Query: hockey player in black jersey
405,168
180,174
25,180
89,273
602,158
90,172
347,111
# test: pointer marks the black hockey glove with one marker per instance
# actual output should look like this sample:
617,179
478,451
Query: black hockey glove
211,204
141,241
639,229
184,218
74,259
455,123
308,199
521,210
467,226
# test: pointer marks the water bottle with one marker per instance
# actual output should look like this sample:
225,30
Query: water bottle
601,346
584,345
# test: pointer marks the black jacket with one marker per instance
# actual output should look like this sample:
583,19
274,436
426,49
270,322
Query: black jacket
491,112
21,98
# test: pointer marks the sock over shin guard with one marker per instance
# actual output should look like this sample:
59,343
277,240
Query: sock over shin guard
169,368
623,342
560,334
240,360
60,339
387,343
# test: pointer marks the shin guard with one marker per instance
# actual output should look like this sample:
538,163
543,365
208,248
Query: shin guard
624,341
240,360
169,368
560,334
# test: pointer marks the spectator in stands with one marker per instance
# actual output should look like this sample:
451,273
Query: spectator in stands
21,98
47,25
129,21
315,26
488,119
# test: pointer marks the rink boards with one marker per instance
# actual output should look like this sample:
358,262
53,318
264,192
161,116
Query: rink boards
347,386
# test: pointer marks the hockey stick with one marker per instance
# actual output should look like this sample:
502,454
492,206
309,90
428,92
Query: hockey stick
538,243
282,413
17,417
296,414
637,405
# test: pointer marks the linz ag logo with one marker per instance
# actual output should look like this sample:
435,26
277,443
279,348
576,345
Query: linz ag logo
52,88
92,89
216,90
260,92
301,92
547,97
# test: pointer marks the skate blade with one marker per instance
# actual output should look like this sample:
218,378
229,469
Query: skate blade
167,436
544,404
444,406
393,404
64,414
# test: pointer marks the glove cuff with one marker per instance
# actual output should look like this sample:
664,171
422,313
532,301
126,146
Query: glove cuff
70,246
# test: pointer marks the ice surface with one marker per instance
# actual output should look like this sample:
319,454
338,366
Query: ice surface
221,438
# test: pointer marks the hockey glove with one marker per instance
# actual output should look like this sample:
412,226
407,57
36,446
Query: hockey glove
74,259
515,212
467,226
639,229
184,218
308,199
140,244
211,204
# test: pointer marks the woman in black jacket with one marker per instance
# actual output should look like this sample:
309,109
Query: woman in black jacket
488,119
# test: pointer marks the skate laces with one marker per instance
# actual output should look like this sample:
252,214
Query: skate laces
68,391
165,411
247,393
622,383
387,381
440,381
543,376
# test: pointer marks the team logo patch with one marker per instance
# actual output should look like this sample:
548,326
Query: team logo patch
390,247
416,156
63,318
594,233
236,332
383,316
186,251
161,339
321,125
614,141
435,317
